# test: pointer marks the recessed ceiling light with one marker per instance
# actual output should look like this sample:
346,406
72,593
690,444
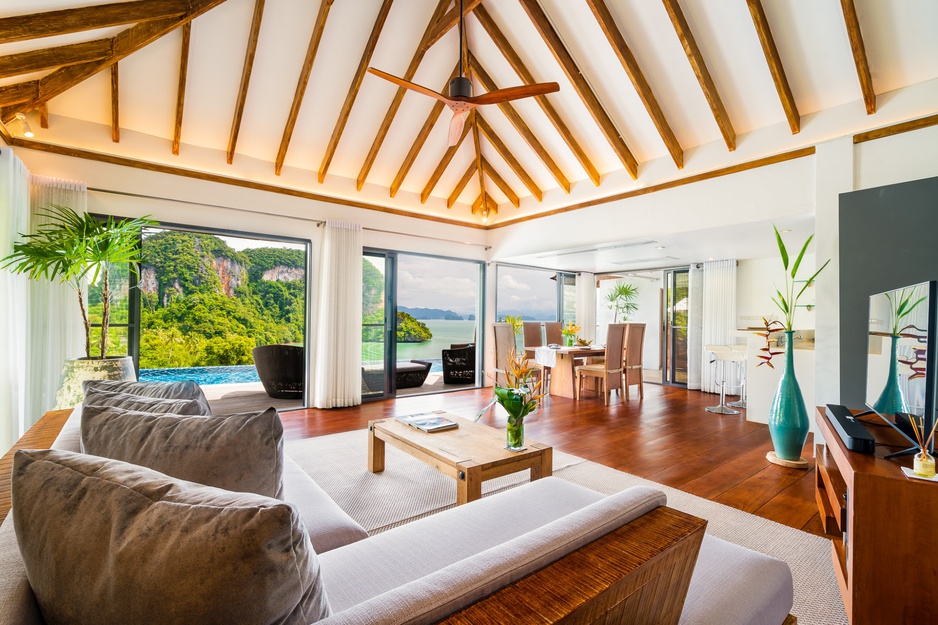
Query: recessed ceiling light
711,258
660,247
785,231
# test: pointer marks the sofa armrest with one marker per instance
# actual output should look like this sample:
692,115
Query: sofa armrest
39,436
638,573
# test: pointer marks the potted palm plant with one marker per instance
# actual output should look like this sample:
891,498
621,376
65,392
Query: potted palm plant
80,250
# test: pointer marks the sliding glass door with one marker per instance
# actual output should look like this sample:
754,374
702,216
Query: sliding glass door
675,327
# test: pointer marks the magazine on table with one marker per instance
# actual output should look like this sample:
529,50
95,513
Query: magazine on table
429,422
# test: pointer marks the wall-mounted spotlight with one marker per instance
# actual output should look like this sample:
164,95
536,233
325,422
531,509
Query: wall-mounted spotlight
20,127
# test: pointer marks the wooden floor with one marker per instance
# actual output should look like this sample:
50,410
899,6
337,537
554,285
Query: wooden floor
668,437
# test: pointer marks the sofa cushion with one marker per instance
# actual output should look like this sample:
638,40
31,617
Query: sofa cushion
104,541
722,589
472,550
98,397
17,601
185,389
329,526
240,453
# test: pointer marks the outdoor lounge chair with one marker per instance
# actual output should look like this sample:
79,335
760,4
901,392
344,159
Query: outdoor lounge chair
282,370
459,364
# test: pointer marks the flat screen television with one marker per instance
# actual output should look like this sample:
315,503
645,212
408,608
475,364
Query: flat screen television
901,363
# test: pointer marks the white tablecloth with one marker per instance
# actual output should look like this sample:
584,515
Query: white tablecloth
545,356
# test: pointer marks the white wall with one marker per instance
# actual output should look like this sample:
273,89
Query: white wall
649,313
756,281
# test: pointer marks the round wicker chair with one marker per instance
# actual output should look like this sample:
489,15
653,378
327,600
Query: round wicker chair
282,370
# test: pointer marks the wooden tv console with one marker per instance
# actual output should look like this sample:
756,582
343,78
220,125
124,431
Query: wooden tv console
884,528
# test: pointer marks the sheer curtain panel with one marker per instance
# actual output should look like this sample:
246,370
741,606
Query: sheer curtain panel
719,316
55,334
14,300
338,339
586,305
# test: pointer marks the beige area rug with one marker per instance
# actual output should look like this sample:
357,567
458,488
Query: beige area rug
409,489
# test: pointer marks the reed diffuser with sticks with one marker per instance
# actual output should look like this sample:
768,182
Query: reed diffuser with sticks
924,463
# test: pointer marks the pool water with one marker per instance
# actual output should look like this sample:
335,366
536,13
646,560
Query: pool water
204,376
234,374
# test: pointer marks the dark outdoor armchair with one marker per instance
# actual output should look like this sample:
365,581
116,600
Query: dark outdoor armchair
459,364
282,370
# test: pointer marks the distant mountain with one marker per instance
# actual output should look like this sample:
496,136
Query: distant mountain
430,313
528,315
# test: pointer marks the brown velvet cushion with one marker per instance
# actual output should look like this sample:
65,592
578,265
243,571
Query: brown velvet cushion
99,397
108,542
185,389
241,452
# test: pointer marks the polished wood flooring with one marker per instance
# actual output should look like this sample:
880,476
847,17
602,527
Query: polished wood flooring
668,437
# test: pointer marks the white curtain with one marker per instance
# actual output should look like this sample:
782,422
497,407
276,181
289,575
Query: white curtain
586,305
694,326
14,296
56,332
719,315
338,339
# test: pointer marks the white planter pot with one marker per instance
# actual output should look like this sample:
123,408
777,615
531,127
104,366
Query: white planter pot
78,370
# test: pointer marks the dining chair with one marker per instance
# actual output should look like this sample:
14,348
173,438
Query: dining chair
533,337
553,331
504,347
608,373
632,360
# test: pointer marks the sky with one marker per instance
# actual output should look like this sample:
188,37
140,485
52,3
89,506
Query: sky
424,282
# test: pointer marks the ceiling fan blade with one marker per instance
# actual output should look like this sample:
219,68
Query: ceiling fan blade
400,82
515,93
455,127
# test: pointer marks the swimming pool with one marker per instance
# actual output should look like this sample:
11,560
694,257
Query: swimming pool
204,376
234,374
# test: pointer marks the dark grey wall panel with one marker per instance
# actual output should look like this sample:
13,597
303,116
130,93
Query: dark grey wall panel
888,239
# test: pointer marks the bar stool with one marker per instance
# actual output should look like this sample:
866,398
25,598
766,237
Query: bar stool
741,353
721,354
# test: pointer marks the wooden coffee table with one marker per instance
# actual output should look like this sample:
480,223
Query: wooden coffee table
471,453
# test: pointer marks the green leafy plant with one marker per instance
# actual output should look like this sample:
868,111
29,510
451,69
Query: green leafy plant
901,307
516,323
79,249
787,302
622,300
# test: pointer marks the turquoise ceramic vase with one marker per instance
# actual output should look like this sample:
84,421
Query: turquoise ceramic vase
891,400
788,416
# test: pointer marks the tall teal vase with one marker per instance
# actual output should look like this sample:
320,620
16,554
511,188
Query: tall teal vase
788,416
891,400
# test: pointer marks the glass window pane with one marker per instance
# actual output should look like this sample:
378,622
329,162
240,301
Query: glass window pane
373,325
119,282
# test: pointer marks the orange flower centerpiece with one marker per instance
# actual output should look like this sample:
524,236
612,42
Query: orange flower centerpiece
519,397
569,332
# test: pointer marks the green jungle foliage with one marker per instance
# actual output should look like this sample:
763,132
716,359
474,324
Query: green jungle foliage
211,306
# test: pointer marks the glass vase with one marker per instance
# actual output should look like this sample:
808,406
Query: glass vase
568,341
515,436
924,464
788,416
891,400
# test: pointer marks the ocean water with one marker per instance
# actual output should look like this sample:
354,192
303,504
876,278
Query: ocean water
445,333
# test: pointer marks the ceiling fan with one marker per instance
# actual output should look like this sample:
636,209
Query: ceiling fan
460,99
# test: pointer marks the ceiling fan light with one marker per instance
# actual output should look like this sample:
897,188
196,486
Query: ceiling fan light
460,87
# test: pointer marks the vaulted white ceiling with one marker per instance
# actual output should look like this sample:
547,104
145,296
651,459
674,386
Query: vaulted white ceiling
900,36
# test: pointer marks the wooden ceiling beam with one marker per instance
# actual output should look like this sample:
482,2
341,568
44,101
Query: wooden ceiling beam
859,55
181,90
774,61
399,96
44,115
48,23
448,21
484,201
520,126
123,44
461,185
353,89
527,78
478,154
697,63
18,93
508,157
301,83
443,164
115,104
500,182
575,76
609,27
52,58
421,139
249,53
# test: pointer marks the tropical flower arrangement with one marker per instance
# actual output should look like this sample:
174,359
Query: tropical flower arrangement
519,397
569,332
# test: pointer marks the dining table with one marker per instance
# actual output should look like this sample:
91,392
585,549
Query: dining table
561,361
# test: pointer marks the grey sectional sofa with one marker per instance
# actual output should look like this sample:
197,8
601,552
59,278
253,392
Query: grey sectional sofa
425,570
